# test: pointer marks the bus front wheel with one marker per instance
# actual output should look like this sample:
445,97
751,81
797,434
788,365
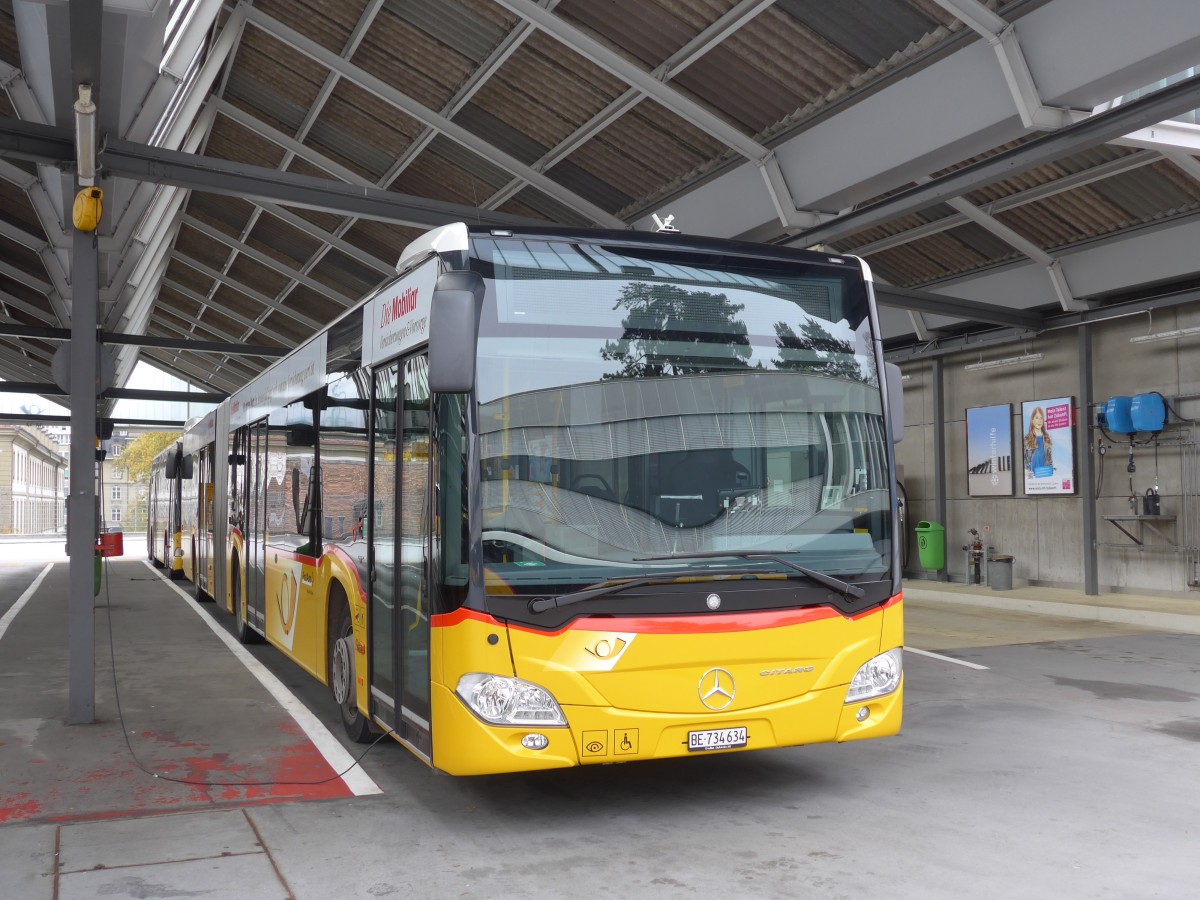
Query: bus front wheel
342,677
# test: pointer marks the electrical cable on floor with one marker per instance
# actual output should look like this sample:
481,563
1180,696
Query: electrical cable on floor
112,654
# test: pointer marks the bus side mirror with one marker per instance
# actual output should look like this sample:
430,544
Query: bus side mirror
186,467
172,466
454,332
895,392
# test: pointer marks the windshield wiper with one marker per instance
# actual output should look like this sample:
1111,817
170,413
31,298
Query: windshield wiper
846,588
603,589
615,586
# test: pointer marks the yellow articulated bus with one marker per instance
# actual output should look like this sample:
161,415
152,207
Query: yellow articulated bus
200,533
164,510
561,497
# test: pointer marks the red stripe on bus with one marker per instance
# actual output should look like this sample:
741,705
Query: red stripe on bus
294,557
460,615
698,624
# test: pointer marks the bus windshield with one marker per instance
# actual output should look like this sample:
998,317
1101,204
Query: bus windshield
640,402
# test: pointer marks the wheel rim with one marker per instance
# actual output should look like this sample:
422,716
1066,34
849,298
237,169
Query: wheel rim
340,676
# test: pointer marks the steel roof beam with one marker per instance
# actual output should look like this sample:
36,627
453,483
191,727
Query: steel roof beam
240,245
191,372
22,277
290,145
677,62
165,396
1187,163
1053,267
955,307
138,340
246,290
226,311
335,241
466,91
945,346
173,322
1013,201
230,370
689,110
157,165
595,52
241,248
55,238
1002,36
1155,107
193,346
24,306
424,114
216,176
953,107
238,366
498,57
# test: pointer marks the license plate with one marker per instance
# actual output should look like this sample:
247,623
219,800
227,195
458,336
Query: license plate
717,739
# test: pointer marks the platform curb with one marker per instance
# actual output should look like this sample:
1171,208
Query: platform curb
1159,621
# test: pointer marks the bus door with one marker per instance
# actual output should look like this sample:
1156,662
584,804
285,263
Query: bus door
255,539
203,475
399,565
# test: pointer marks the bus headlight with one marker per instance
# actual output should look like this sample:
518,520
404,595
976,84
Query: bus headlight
509,701
877,677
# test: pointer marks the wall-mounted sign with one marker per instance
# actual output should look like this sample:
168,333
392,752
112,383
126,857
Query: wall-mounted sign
989,451
1048,445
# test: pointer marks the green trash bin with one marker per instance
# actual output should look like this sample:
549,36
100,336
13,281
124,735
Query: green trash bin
1000,573
931,545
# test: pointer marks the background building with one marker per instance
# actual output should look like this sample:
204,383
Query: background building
32,473
122,499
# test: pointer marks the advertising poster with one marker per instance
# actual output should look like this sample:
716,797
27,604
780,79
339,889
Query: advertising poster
989,451
1048,446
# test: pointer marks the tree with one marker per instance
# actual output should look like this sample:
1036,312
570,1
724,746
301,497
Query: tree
661,336
823,353
140,452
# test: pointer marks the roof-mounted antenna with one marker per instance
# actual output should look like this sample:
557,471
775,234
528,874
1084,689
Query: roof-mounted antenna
664,225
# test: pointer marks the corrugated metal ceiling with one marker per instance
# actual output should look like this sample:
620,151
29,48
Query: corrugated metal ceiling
519,91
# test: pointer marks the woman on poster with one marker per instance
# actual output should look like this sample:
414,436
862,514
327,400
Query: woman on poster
1039,461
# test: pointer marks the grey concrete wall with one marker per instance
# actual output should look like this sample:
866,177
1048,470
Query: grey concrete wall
1045,534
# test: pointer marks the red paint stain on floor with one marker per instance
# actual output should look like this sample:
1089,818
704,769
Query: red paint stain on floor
17,807
288,770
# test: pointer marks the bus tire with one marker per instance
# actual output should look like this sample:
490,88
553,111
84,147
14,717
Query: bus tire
202,595
341,672
245,634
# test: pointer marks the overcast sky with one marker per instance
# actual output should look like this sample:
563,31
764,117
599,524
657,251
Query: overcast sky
144,377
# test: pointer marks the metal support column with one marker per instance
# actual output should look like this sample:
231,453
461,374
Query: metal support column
1087,465
81,541
939,452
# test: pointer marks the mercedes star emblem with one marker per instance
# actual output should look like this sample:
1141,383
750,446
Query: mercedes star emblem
717,689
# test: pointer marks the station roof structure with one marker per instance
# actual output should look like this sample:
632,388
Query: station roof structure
999,165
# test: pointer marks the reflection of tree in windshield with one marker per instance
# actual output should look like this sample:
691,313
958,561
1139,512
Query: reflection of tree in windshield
837,360
673,331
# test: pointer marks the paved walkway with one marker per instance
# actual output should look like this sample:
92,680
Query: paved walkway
81,818
1181,614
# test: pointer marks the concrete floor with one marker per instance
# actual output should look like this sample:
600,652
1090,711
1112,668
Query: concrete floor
1040,757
